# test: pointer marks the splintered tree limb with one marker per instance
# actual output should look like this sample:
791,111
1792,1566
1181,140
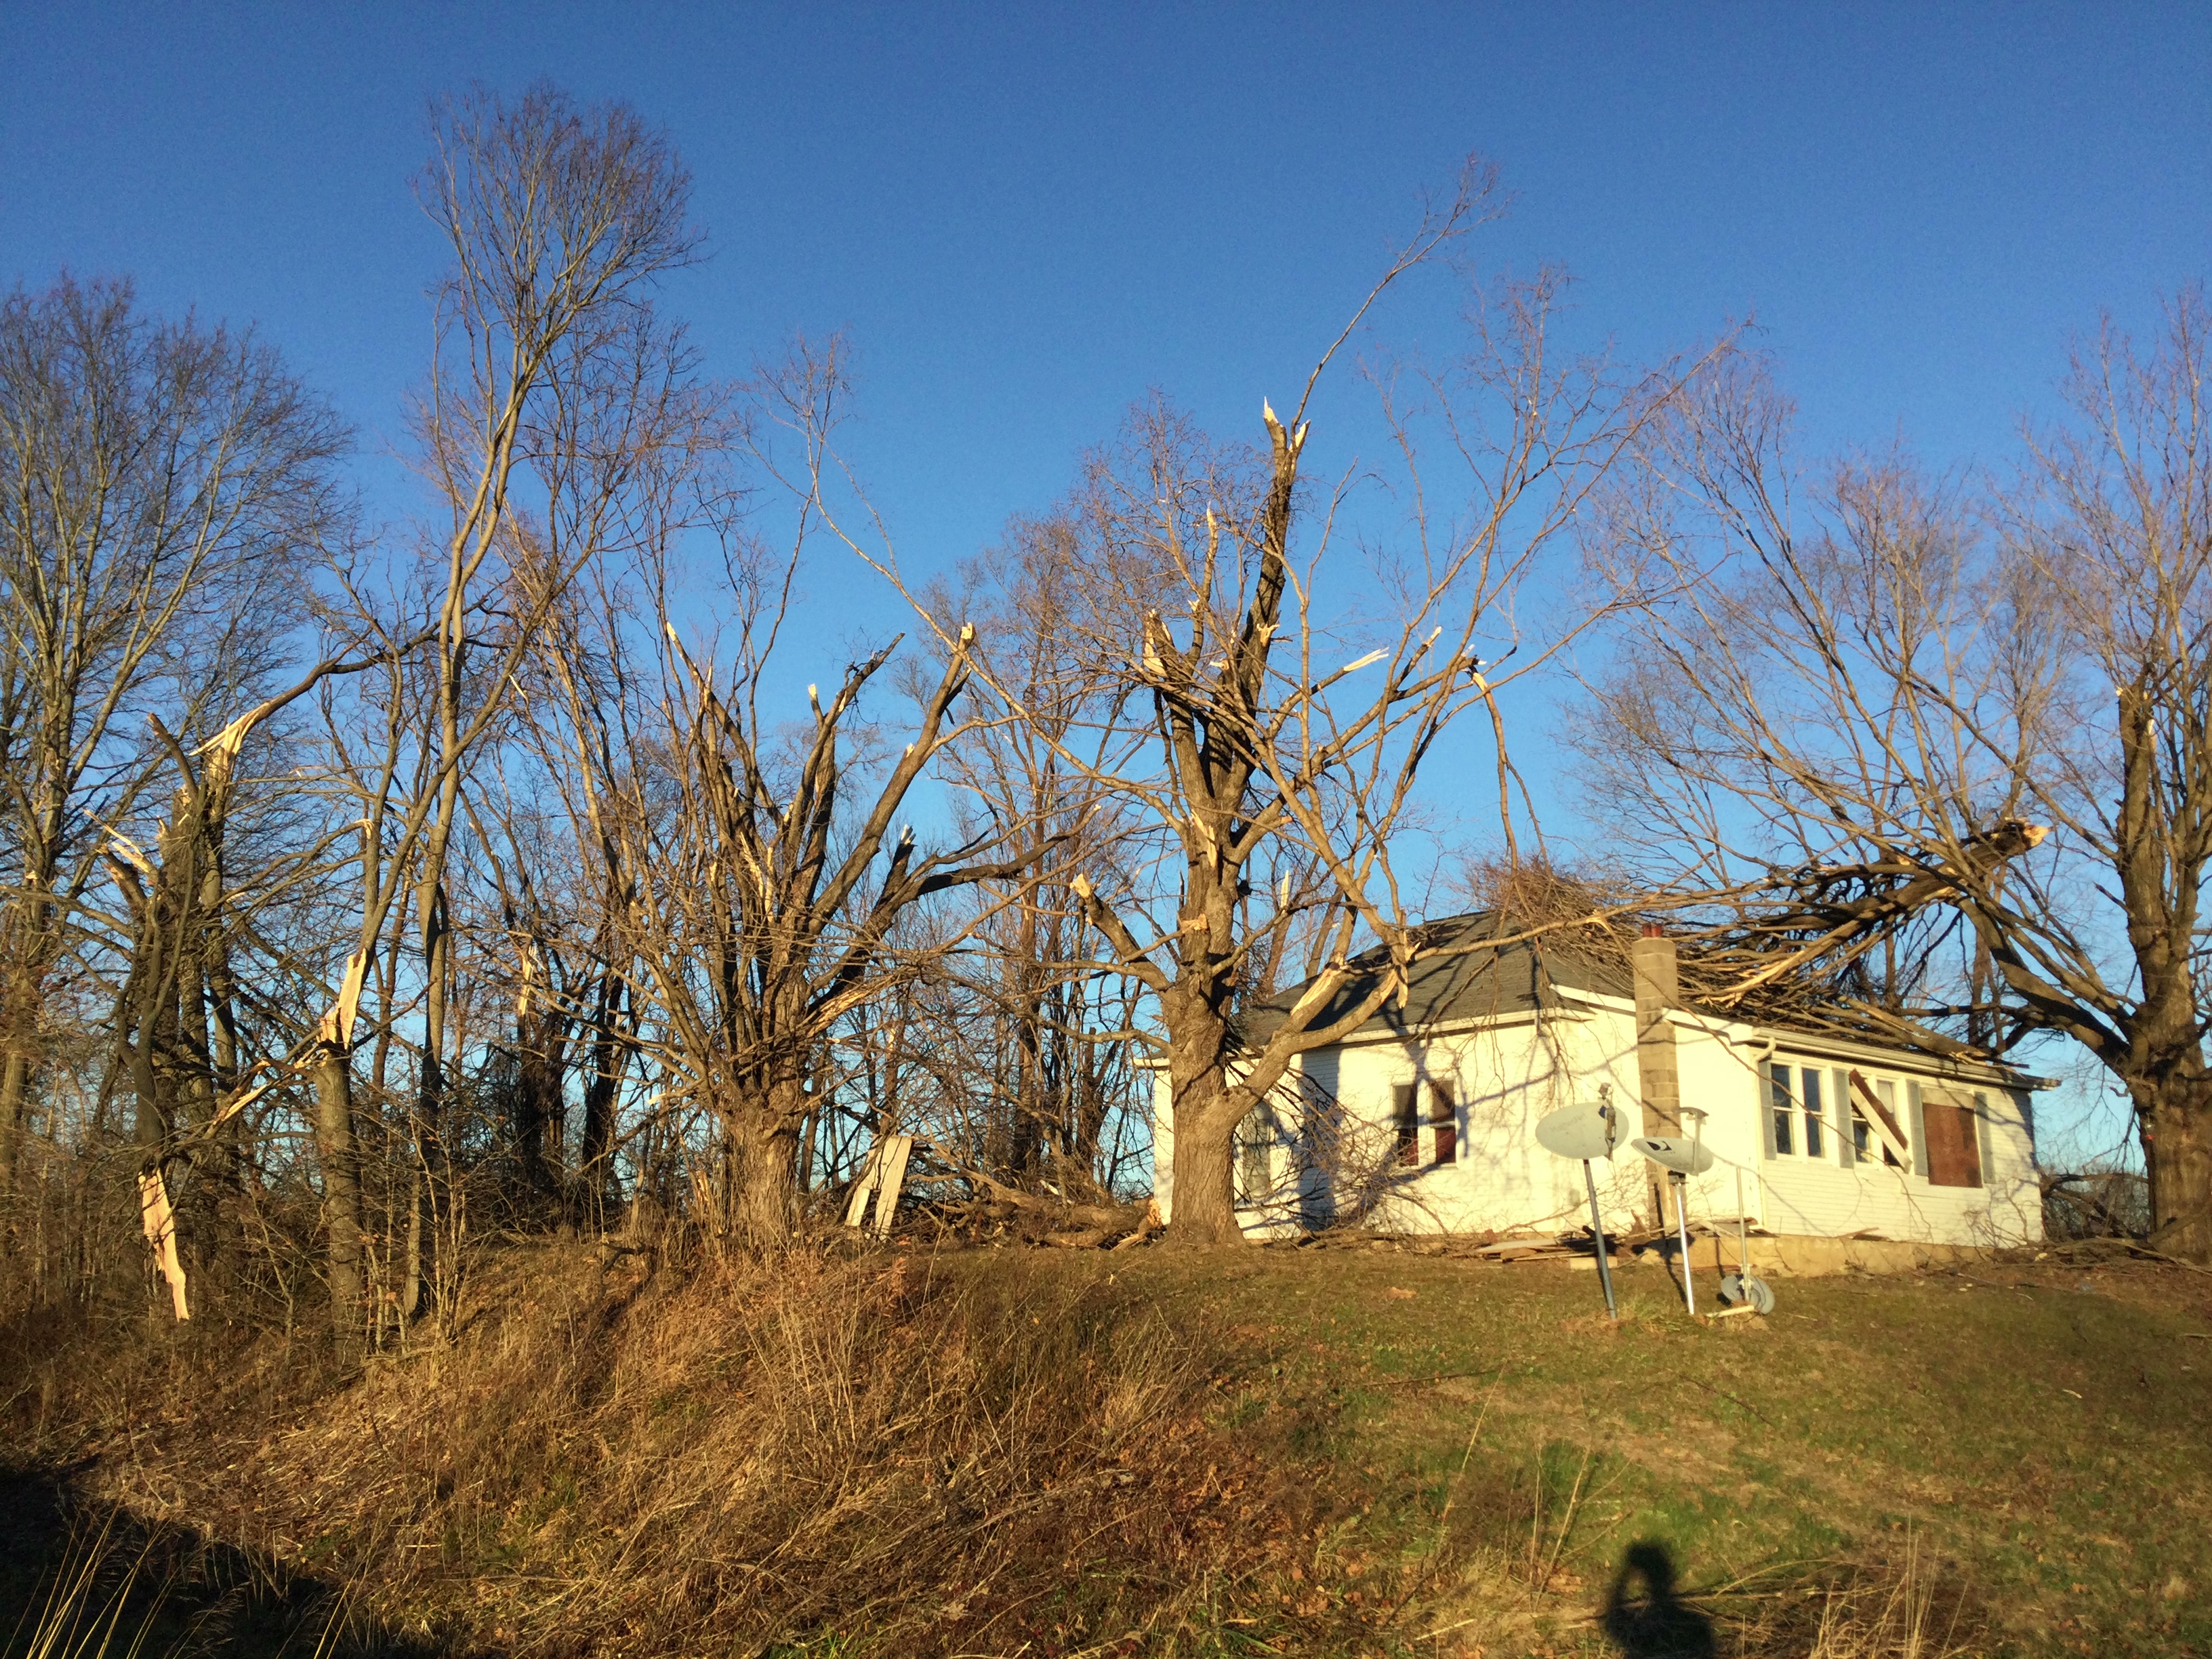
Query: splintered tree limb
1858,922
1115,1219
1101,916
337,1027
159,1223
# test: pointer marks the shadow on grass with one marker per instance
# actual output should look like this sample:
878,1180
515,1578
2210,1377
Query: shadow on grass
1654,1622
88,1581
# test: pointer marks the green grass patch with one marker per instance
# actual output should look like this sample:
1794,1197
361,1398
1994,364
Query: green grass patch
2029,1441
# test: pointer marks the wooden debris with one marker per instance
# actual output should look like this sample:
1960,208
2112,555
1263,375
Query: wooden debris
891,1183
882,1178
1569,1248
1149,1224
1088,1238
160,1221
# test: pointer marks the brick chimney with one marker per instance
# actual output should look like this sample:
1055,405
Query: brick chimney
1652,968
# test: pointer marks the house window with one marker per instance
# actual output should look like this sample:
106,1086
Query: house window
1406,1123
1256,1153
1885,1090
1879,1097
1443,1118
1954,1158
1794,1103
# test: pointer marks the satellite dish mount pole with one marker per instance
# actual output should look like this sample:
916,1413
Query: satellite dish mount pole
1597,1217
1681,1184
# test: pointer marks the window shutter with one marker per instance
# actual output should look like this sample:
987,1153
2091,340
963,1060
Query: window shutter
1917,1127
1839,1121
1766,1104
1984,1131
1406,1122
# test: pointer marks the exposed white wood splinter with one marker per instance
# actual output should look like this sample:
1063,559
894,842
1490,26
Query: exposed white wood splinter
160,1221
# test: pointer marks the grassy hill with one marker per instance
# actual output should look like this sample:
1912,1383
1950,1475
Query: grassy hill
1341,1451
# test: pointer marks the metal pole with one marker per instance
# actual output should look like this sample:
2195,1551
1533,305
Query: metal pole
1597,1230
1743,1235
1682,1223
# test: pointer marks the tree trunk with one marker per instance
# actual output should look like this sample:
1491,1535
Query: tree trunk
15,1094
1205,1199
1205,1196
434,1200
609,1052
540,1129
25,956
341,1161
765,1144
2176,1126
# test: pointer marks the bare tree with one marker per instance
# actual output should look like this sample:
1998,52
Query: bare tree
1893,693
158,480
1047,1037
1262,742
1209,603
549,356
743,923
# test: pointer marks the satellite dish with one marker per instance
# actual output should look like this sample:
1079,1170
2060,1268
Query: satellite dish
1590,1130
1748,1289
1586,1131
1682,1157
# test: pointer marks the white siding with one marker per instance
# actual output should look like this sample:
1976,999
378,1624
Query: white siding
1507,1076
1822,1197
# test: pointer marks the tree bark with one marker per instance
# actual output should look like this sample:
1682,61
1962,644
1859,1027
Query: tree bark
1205,1191
1205,1205
341,1161
765,1144
2175,1123
15,1094
540,1130
610,1055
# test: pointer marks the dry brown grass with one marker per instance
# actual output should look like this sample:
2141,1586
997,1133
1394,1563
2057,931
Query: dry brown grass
870,1456
1005,1452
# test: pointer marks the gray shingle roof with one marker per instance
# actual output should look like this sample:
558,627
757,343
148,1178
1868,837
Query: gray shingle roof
1468,984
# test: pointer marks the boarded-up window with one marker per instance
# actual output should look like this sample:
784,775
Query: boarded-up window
1954,1158
1406,1120
1885,1092
1444,1117
1874,1118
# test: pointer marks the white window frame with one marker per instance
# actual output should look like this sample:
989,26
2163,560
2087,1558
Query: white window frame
1891,1091
1796,1123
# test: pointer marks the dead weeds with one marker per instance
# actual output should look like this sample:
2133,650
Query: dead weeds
879,1453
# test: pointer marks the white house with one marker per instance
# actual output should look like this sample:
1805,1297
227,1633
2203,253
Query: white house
1423,1120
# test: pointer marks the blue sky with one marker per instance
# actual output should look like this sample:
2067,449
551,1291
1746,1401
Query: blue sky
1026,217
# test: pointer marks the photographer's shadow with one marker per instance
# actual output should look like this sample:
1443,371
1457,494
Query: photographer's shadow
1654,1623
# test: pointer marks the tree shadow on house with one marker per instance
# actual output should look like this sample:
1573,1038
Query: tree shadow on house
82,1577
1645,1615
